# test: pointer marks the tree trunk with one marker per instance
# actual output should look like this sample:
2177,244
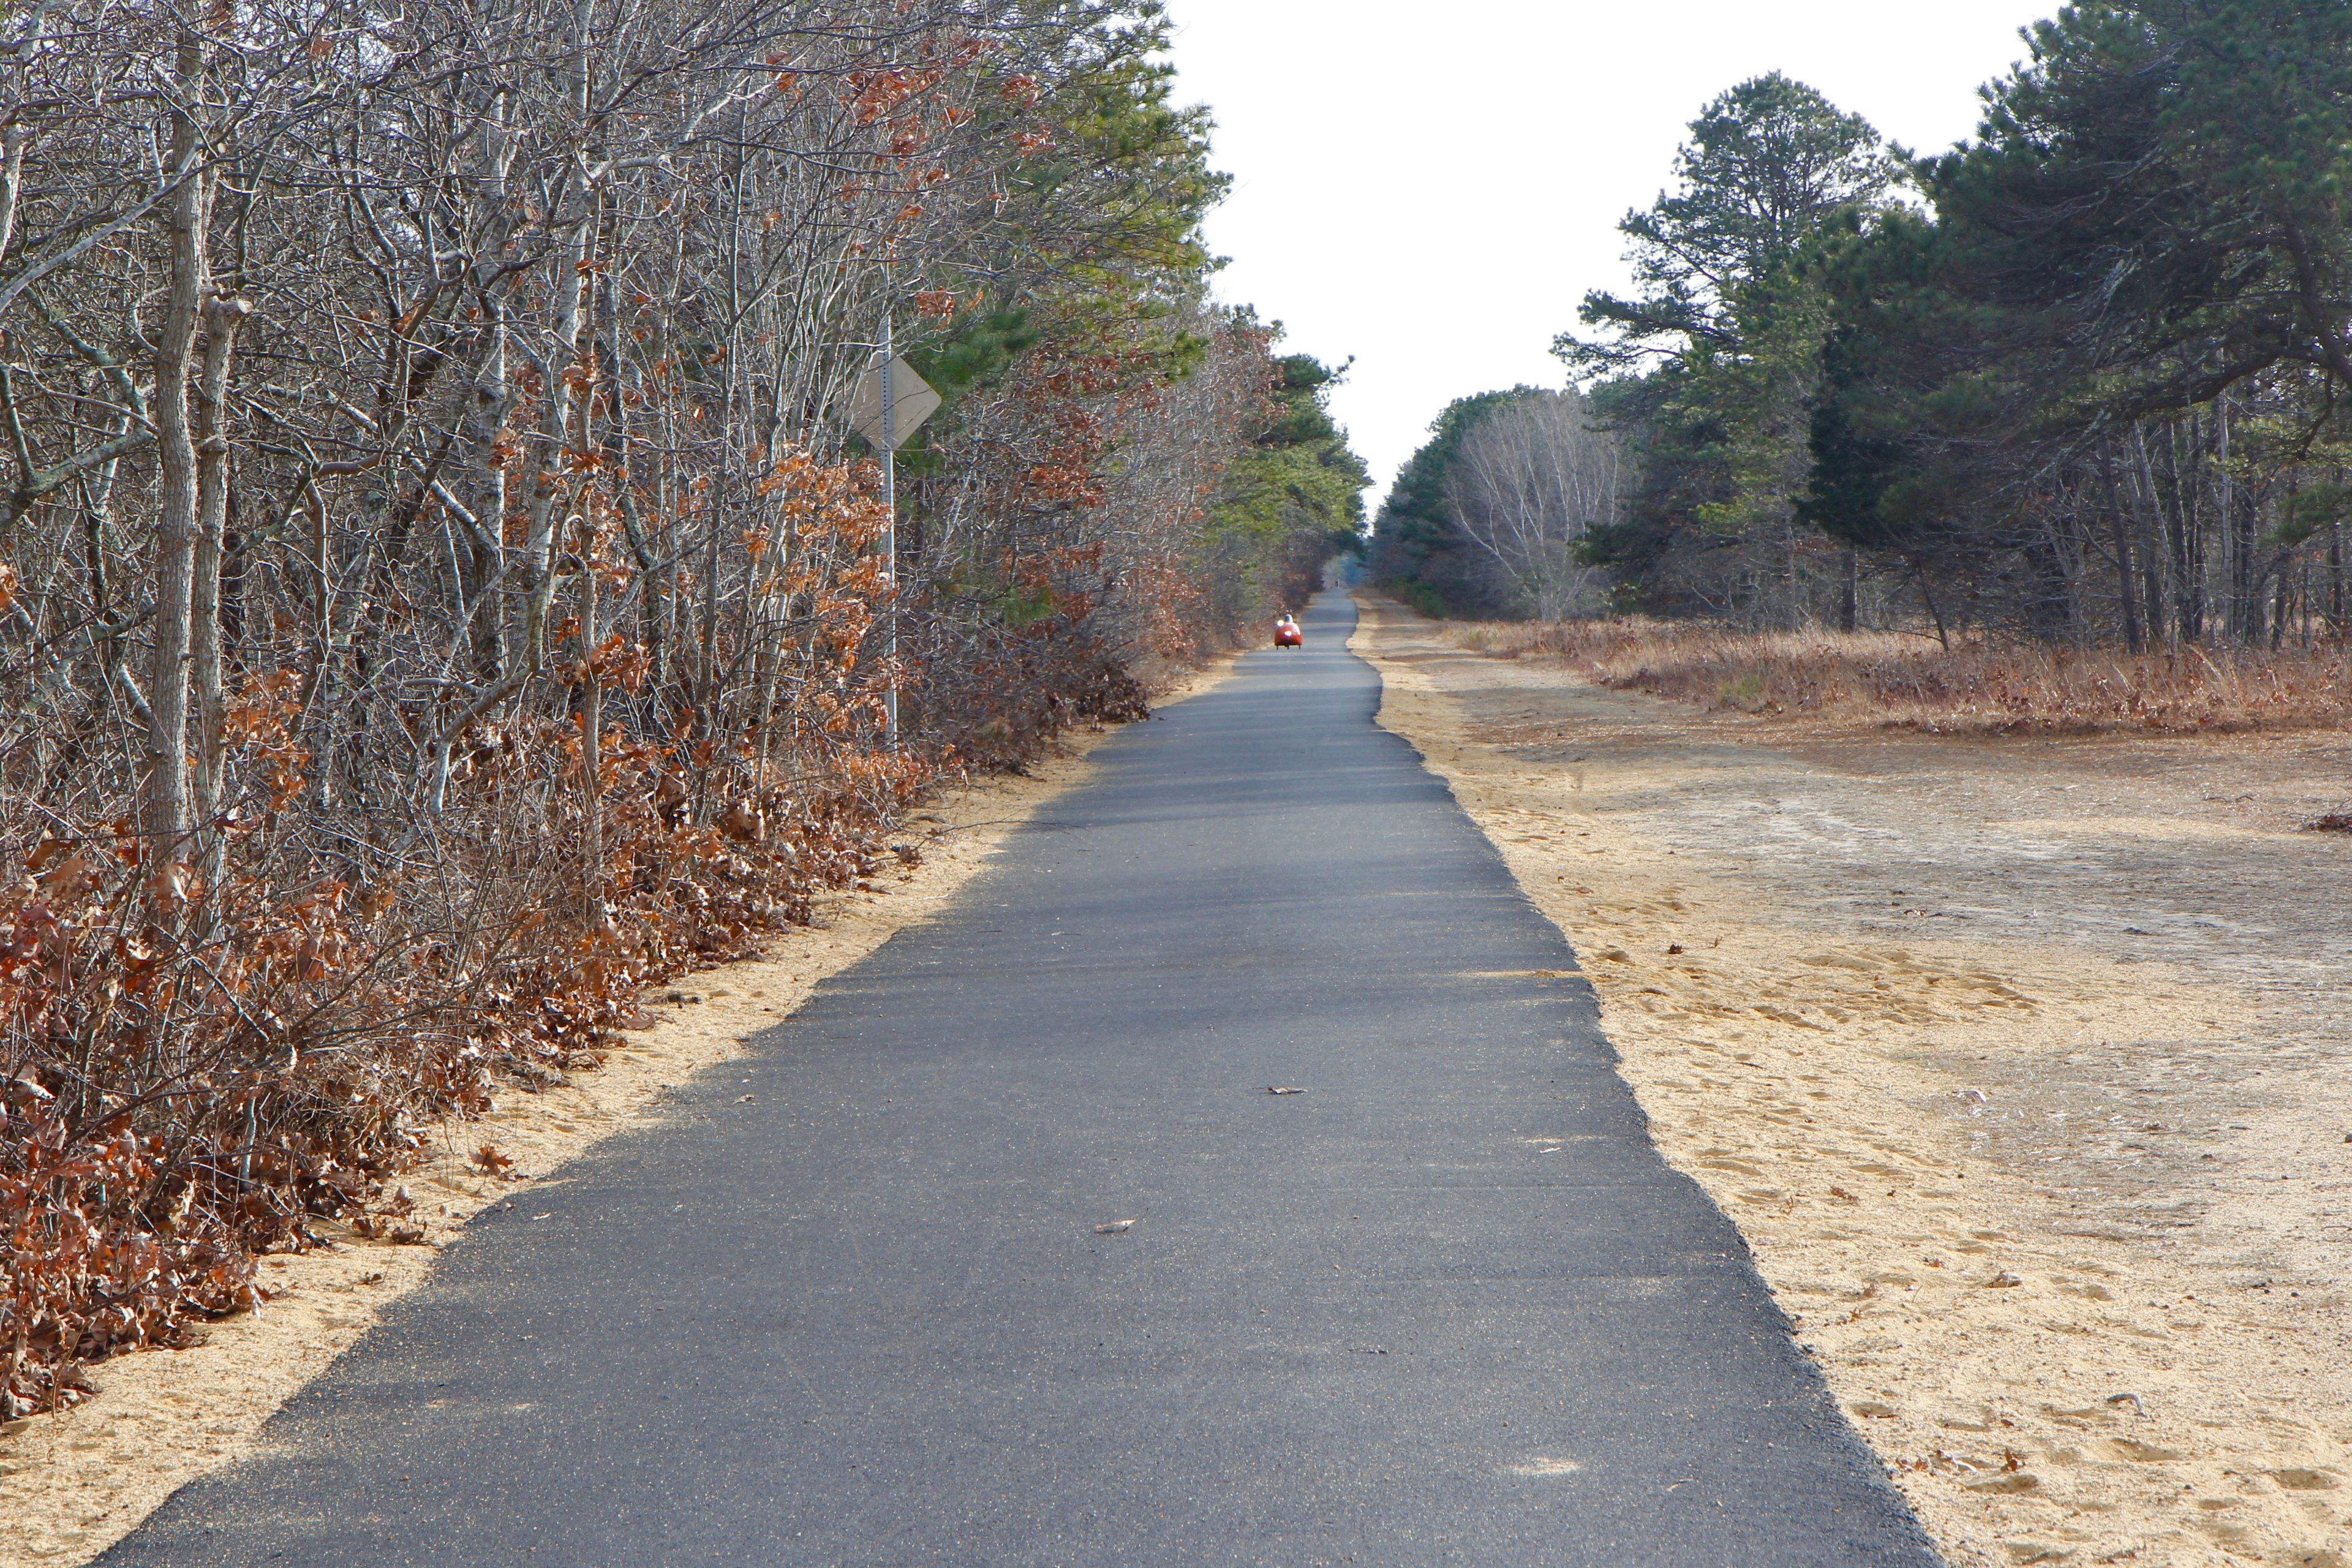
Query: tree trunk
614,389
2125,572
591,731
481,484
2245,566
213,472
2187,523
2335,580
482,491
557,371
556,374
2281,606
163,791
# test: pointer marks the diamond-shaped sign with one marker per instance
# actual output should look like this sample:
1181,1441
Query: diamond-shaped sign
911,395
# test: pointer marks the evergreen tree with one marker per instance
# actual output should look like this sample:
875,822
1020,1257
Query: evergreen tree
1723,342
1295,498
2151,223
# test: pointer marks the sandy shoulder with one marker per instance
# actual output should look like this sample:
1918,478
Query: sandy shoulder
72,1485
2018,1068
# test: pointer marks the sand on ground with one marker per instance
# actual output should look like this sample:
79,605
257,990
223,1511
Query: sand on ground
73,1484
2022,1065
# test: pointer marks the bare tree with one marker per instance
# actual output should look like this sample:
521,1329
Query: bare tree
1534,475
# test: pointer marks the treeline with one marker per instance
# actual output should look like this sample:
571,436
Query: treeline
439,591
2076,380
1495,515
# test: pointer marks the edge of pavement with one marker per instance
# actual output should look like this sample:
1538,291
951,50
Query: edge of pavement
1434,724
2047,1374
74,1483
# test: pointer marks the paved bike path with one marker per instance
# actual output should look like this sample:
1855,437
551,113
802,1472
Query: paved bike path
1447,1306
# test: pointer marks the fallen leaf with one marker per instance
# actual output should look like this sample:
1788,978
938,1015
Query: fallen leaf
1283,1088
1116,1227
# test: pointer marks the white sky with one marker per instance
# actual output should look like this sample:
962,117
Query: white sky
1432,187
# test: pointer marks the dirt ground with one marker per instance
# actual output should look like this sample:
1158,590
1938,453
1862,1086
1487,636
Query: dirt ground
72,1485
2023,1065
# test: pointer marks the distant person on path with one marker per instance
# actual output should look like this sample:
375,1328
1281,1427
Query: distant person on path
1286,632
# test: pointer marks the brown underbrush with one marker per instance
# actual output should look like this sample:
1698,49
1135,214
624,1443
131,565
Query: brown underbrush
197,1073
1975,685
202,1060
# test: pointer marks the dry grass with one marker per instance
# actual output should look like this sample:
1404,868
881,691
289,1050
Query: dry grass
1975,685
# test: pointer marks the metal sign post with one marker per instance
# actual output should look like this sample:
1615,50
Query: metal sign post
890,528
890,404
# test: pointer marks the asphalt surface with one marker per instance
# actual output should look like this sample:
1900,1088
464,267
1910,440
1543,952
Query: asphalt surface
1447,1306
